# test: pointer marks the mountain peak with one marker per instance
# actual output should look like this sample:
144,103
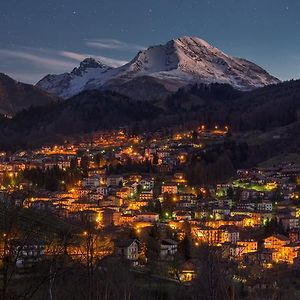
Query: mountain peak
196,47
192,40
90,63
182,61
69,84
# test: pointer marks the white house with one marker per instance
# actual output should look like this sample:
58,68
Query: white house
230,234
28,254
147,217
127,249
114,180
265,206
168,248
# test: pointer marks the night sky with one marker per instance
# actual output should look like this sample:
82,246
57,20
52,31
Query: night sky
38,37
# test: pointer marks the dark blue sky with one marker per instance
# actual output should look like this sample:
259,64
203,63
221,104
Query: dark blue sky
51,36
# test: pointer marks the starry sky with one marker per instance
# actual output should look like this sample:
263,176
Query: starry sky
38,37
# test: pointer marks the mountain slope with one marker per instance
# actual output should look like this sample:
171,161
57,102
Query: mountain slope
69,84
86,112
16,96
190,59
261,110
178,63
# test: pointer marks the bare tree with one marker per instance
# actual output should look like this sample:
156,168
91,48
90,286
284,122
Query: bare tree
25,240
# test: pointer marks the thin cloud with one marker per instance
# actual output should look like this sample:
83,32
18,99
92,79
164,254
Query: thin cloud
51,63
74,56
113,44
31,64
105,60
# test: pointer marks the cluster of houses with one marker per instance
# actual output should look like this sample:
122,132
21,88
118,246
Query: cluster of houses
223,216
213,216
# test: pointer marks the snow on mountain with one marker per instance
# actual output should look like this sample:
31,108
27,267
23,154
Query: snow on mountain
69,84
190,59
178,63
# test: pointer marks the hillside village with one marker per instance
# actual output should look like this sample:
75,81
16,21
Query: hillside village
132,194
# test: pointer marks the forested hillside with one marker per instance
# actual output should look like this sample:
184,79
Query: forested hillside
264,110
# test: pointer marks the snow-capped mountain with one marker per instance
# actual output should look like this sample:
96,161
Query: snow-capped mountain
162,69
69,84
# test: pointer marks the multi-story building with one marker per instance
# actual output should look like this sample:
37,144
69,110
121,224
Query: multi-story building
169,188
